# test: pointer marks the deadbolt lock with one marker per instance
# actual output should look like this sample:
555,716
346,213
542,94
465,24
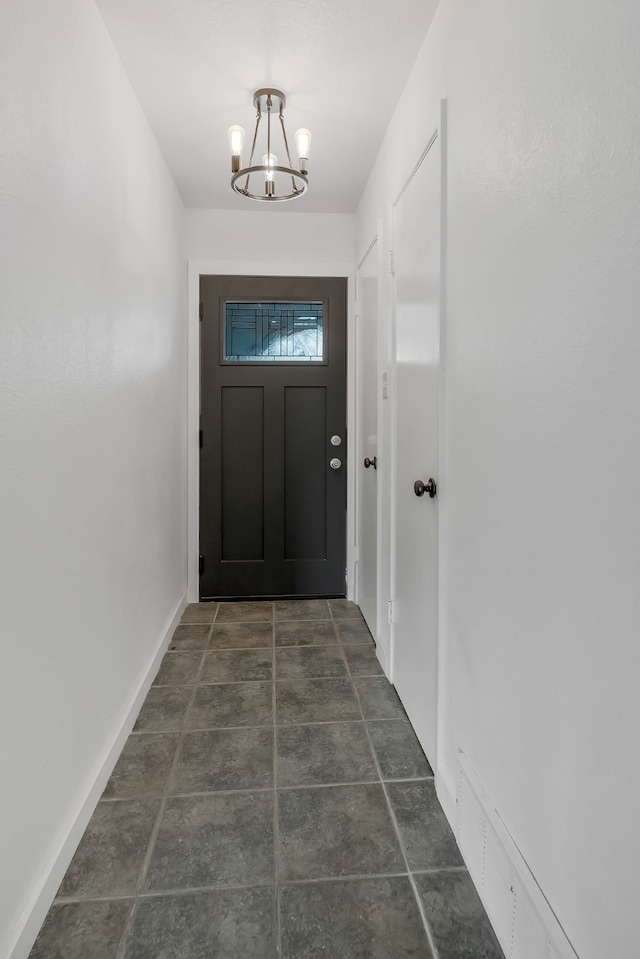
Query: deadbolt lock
336,440
335,463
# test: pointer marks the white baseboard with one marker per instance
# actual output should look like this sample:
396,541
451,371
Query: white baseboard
383,654
446,793
521,916
34,913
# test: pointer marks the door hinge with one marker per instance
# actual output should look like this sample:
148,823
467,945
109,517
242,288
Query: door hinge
390,611
201,565
201,311
392,269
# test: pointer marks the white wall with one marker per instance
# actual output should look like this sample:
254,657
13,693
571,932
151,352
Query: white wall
261,242
92,419
540,521
265,236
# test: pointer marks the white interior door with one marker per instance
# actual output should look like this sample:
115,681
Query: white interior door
367,491
416,373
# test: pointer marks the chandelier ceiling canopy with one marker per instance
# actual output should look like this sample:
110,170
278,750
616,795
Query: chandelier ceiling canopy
269,180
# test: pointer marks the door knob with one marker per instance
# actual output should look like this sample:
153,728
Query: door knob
420,488
335,463
371,462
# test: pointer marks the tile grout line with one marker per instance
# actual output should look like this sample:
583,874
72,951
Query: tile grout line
394,821
146,862
233,649
317,880
278,898
266,789
276,834
322,722
334,624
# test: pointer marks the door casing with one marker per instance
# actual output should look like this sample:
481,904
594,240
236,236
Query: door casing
253,268
367,485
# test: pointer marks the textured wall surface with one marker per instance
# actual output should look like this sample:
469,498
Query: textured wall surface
253,236
92,420
540,522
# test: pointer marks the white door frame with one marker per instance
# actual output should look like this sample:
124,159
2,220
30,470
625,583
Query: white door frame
372,248
243,268
437,138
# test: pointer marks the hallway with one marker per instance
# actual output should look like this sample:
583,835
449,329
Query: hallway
272,800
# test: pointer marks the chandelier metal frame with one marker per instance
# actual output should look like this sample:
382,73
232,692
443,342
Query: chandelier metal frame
267,100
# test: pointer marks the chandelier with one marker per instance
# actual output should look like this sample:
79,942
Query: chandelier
275,181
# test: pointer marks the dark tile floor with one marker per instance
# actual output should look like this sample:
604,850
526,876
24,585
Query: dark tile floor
272,801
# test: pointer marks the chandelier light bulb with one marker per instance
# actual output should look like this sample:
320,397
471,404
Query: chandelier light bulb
303,143
303,146
236,142
269,160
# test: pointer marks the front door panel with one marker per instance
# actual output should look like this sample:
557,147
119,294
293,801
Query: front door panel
273,393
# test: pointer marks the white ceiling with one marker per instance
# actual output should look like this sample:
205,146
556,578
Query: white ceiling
195,64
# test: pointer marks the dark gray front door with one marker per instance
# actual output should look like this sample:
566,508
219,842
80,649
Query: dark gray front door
273,396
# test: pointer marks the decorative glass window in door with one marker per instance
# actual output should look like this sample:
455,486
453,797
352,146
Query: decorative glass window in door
273,332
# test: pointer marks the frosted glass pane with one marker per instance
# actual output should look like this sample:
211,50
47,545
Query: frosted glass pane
273,332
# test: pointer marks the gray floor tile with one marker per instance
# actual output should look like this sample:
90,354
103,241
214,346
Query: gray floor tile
143,767
217,840
245,613
315,701
237,665
302,609
378,698
344,609
80,930
310,662
191,637
352,919
225,924
335,831
199,613
109,858
326,753
363,660
241,636
239,704
221,759
459,924
306,633
178,668
164,709
353,631
397,749
426,835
